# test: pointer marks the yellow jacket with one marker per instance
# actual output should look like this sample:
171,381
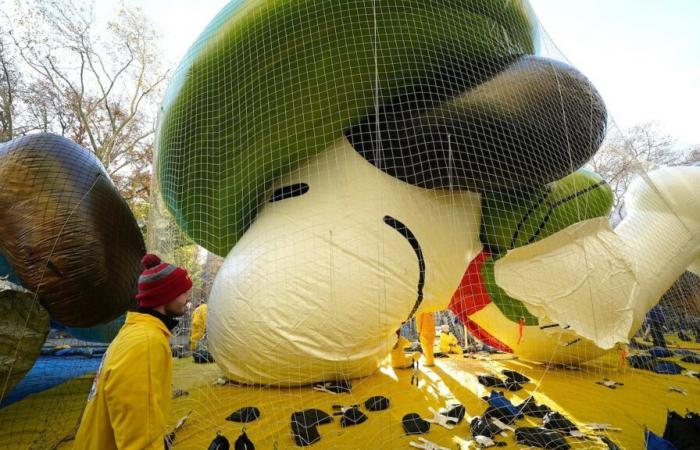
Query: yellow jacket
129,404
448,343
399,360
199,325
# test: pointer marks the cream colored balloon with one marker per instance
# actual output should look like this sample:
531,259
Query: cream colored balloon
601,282
320,282
550,344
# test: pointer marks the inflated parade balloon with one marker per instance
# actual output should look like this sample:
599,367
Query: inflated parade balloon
65,231
343,170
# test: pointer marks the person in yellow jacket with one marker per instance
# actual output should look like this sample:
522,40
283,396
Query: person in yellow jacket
425,324
128,407
199,325
399,360
448,341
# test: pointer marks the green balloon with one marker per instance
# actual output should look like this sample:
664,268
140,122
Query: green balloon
514,219
24,324
270,84
511,308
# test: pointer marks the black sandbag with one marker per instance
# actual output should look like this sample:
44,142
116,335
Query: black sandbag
515,376
243,443
413,424
311,417
304,426
531,408
512,385
481,426
556,421
219,443
611,445
695,359
660,352
667,368
502,414
244,415
541,438
683,432
352,416
377,403
641,361
491,381
456,412
338,386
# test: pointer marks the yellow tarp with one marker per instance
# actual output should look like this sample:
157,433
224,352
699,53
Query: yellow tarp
41,420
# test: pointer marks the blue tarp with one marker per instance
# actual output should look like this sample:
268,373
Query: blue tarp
499,401
654,442
50,371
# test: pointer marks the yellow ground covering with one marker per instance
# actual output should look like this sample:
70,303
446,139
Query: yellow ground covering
42,420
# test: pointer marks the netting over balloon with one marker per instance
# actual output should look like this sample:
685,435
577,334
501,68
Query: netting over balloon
355,183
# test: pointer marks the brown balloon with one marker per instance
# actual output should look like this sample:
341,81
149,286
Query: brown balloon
65,230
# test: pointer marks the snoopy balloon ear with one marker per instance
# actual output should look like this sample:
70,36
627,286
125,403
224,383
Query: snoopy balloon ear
461,129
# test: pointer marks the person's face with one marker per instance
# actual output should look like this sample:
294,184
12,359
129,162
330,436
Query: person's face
177,307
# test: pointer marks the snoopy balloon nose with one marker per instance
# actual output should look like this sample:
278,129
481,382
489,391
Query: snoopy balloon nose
318,285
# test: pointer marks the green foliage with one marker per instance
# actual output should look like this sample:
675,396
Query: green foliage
187,256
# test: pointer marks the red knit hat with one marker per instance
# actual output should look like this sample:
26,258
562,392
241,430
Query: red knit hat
160,283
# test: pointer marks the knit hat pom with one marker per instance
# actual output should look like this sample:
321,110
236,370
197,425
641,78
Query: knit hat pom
150,260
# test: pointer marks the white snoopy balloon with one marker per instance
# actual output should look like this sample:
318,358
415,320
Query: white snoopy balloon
339,153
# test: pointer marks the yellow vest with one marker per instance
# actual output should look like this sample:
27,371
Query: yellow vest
129,404
199,325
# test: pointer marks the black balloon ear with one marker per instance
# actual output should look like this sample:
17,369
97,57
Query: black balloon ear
514,123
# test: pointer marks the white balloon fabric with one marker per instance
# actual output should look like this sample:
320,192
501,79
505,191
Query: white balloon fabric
601,282
695,267
332,266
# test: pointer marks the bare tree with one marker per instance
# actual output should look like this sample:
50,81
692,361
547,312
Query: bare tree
10,83
98,88
626,154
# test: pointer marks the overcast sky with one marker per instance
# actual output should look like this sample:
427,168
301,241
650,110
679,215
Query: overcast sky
642,55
